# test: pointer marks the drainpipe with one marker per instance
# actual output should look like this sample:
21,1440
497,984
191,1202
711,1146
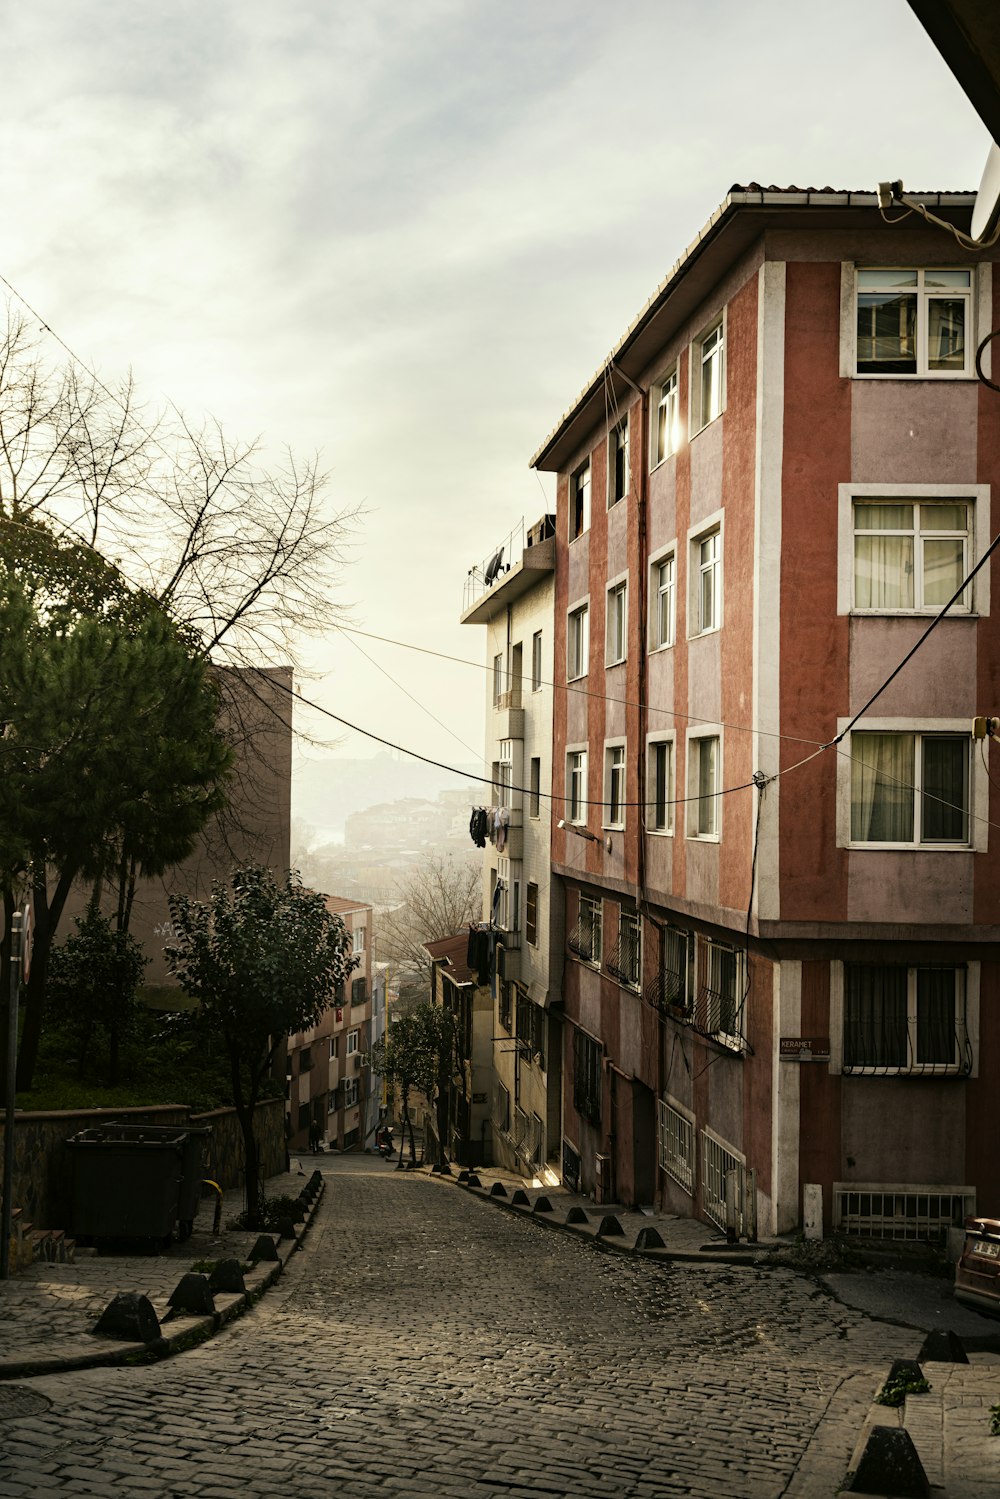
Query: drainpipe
642,580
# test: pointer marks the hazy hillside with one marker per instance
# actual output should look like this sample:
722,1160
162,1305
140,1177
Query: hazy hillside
326,792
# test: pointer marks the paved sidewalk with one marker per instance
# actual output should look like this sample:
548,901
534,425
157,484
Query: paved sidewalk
48,1311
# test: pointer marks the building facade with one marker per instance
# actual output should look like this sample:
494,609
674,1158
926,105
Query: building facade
328,1081
781,869
516,606
465,992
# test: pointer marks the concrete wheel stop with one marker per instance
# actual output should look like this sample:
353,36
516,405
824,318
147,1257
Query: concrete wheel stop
130,1318
889,1466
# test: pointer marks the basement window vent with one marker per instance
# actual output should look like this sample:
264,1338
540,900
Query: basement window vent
867,1210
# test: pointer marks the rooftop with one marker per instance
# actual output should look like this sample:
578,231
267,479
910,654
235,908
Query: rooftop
738,221
454,952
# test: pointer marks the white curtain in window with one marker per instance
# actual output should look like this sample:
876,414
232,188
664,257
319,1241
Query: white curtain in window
882,788
883,563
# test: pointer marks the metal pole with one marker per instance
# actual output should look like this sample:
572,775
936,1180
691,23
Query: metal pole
7,1208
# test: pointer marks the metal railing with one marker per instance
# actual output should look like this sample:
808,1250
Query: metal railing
676,1145
483,575
878,1211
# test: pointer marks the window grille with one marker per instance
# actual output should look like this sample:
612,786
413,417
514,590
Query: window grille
900,1019
675,1138
623,962
716,1164
880,1211
587,1078
720,1007
585,938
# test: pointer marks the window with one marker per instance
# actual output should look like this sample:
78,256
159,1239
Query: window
577,643
724,992
531,913
914,322
707,377
531,1031
625,963
579,502
536,661
576,785
503,1108
504,1003
677,968
358,939
350,1092
535,787
614,786
707,579
666,424
505,773
498,675
618,463
676,1145
899,1019
587,1078
910,789
305,1059
703,786
352,1042
359,991
616,617
663,602
585,938
910,554
660,787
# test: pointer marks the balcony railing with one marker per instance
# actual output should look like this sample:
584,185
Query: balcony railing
482,575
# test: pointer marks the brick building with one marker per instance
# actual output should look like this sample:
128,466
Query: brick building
764,495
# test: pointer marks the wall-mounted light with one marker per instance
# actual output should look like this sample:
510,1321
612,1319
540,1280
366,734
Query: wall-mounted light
571,827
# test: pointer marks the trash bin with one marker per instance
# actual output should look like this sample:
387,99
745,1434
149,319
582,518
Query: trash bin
128,1179
977,1274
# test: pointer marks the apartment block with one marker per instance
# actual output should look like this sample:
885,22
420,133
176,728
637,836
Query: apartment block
781,868
512,596
328,1080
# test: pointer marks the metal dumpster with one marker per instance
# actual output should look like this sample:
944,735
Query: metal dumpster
128,1180
977,1274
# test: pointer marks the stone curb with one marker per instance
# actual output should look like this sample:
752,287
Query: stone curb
185,1332
588,1233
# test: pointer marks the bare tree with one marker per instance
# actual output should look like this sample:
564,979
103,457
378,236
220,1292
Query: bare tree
243,553
438,898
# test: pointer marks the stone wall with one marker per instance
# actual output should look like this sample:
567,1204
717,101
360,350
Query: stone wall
43,1164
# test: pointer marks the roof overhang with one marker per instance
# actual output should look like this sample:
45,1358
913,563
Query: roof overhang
967,35
735,226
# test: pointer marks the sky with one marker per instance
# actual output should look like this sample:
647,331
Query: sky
406,235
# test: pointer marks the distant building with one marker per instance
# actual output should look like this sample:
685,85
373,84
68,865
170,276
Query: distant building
515,603
460,989
328,1085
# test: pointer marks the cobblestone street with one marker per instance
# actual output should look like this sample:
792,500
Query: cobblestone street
426,1343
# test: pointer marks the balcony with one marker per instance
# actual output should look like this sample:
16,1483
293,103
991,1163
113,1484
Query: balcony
508,572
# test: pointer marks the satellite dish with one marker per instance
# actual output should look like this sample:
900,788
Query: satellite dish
493,567
987,210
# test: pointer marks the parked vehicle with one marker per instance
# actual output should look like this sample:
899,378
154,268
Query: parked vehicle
977,1275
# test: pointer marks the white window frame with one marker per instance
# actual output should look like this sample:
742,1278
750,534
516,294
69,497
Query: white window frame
353,1042
616,622
535,786
976,496
978,810
578,641
710,343
618,442
973,972
632,918
595,908
713,962
924,295
692,821
655,742
665,424
576,765
657,589
615,769
357,939
579,490
499,675
351,1092
711,526
536,661
981,315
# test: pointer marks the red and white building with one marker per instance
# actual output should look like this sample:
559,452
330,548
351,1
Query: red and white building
765,494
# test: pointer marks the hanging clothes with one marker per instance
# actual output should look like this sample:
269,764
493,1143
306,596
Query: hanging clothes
479,826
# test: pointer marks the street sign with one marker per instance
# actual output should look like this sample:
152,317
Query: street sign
804,1048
